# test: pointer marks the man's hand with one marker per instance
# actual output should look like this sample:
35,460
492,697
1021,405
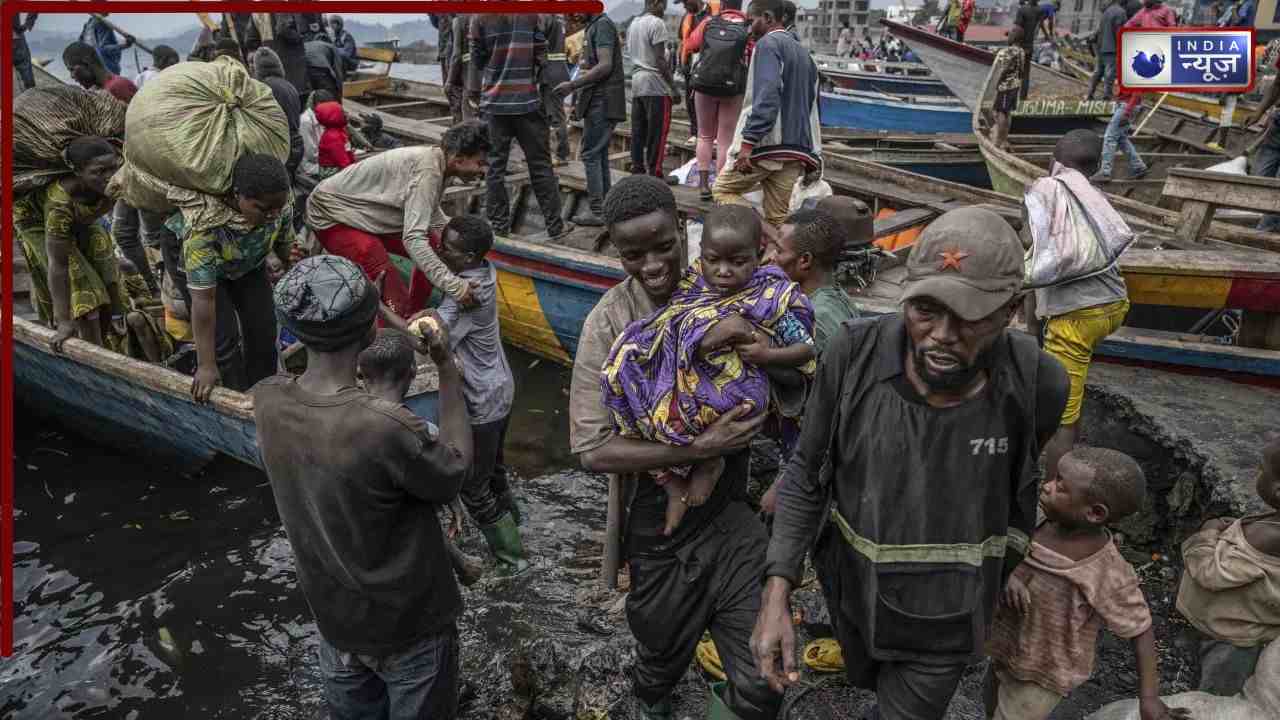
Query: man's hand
1154,709
455,519
743,163
728,433
468,297
66,330
774,636
202,385
1017,596
563,89
438,345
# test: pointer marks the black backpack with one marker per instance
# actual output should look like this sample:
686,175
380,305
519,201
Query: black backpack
722,66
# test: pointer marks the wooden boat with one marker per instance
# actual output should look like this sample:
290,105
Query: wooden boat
547,288
963,69
878,111
133,404
138,405
966,71
895,78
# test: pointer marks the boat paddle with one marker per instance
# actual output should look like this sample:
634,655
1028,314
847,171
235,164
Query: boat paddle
124,32
1151,114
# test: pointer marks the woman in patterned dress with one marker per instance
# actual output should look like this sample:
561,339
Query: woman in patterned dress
75,279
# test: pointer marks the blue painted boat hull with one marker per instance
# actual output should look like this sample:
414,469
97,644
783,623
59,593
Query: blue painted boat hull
859,113
140,417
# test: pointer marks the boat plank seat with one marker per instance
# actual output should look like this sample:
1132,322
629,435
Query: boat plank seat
1203,192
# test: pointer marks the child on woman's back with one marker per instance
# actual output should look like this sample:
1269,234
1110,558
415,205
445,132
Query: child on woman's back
734,333
334,151
1230,589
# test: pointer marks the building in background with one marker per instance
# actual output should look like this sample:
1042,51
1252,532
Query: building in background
820,27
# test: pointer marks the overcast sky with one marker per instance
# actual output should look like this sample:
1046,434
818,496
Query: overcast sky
145,25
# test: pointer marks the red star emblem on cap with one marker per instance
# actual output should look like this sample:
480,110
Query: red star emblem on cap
951,259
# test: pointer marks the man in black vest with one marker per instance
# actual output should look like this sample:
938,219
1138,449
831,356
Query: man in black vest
932,505
553,72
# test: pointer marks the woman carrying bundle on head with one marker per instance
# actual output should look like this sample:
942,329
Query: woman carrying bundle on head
229,272
75,279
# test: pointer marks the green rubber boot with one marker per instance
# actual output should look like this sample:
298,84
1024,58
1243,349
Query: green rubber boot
716,709
504,541
659,711
508,501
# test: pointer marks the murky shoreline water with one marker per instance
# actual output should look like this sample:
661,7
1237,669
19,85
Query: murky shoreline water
140,593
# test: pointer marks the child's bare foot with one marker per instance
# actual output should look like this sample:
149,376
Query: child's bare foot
702,481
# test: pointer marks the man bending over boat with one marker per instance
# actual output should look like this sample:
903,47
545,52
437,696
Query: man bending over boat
778,139
390,203
357,481
1083,298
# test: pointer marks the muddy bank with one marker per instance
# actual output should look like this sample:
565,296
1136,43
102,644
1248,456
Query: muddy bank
141,594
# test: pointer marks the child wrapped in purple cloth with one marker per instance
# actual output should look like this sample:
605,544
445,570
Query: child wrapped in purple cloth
734,333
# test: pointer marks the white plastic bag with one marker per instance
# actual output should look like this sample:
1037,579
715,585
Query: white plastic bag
802,196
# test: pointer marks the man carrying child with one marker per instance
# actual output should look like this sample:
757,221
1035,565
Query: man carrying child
706,574
931,513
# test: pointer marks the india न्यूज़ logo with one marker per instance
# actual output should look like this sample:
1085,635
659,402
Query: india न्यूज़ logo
1147,65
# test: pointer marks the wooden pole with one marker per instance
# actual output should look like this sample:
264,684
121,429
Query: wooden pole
615,523
122,31
1150,114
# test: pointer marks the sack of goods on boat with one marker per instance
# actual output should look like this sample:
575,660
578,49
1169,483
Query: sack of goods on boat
722,67
45,121
184,132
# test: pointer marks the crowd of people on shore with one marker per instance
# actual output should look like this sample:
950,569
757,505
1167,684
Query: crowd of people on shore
971,524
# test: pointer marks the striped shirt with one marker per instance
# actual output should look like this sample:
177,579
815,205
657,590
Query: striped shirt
509,48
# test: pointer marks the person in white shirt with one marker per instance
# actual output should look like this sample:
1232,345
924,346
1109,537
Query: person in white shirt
163,56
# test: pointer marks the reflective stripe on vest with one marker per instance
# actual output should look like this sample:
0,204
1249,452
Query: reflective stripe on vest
967,553
557,57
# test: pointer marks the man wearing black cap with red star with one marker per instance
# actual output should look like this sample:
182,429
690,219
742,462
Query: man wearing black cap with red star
921,435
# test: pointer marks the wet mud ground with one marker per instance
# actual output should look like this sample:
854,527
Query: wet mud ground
143,594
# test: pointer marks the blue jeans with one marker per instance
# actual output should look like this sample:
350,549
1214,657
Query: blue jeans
418,682
1118,134
1266,163
597,132
1104,70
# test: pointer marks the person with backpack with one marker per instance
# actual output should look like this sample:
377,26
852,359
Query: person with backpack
652,90
718,81
695,13
777,138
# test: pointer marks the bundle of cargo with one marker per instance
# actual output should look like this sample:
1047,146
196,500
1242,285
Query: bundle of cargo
45,121
185,130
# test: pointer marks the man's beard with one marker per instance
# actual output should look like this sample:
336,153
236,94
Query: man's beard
956,378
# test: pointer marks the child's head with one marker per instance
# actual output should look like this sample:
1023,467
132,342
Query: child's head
330,115
1093,486
388,365
730,247
808,245
1269,475
466,240
1079,150
1015,35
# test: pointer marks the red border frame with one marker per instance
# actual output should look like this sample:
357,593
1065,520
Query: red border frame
8,10
1211,89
